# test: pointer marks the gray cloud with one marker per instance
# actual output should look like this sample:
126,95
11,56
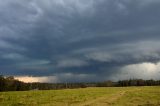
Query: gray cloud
71,63
93,39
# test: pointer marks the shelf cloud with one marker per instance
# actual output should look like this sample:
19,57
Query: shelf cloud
79,40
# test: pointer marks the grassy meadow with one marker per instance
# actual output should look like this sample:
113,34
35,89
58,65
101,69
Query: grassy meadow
111,96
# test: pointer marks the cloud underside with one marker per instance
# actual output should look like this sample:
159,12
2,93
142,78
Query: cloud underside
135,71
79,40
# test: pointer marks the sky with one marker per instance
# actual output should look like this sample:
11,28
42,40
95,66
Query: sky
80,40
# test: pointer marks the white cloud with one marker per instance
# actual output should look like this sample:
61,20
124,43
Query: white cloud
138,71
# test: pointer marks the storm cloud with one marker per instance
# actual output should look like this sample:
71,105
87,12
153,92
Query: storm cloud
80,40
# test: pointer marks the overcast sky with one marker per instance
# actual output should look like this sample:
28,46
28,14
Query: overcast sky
80,40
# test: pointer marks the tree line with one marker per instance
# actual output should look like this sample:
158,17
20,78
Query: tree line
138,82
11,84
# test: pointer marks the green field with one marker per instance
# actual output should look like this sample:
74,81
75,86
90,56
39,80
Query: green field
111,96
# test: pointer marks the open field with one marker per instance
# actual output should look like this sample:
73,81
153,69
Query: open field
111,96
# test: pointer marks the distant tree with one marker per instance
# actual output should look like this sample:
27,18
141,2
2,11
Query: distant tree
2,83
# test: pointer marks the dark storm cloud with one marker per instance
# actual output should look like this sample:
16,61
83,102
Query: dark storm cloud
63,38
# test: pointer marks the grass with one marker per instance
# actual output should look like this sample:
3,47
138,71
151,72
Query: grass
146,96
127,96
